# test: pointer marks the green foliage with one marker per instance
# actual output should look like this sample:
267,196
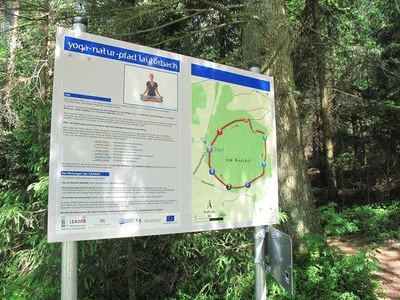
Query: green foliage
220,265
29,267
378,222
344,161
283,217
393,105
324,272
335,223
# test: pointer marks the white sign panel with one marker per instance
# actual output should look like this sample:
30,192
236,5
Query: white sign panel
147,142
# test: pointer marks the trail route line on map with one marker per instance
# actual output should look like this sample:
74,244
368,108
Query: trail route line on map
219,134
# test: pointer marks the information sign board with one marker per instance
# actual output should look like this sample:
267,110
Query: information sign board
147,142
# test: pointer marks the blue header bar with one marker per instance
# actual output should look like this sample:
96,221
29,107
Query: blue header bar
86,97
121,54
225,76
85,173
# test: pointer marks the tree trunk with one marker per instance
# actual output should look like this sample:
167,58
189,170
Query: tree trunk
294,185
3,20
44,52
325,100
3,42
43,74
8,118
131,269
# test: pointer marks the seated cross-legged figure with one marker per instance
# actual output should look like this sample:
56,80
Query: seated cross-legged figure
151,94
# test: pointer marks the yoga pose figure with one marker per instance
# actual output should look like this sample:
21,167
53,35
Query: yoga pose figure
151,93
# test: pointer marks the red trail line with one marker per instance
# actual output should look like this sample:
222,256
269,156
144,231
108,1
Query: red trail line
220,180
238,187
262,174
215,138
252,129
232,122
251,125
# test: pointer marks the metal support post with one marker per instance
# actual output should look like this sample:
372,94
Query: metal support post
79,24
260,292
69,258
69,271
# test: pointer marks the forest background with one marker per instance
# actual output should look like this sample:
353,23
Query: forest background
336,65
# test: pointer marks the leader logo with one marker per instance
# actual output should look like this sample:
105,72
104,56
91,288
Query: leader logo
78,221
69,222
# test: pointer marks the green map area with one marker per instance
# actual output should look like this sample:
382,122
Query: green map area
231,150
238,154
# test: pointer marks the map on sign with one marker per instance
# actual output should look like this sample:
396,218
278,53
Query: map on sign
232,152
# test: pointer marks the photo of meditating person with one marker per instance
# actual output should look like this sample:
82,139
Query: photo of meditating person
151,94
150,88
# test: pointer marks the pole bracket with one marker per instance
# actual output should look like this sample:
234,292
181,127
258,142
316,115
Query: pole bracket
259,249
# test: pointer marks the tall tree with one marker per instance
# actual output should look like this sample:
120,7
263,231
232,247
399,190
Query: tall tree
323,53
314,68
13,17
43,67
269,33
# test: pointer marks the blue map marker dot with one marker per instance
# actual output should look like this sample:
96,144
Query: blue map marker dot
264,164
211,171
247,184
